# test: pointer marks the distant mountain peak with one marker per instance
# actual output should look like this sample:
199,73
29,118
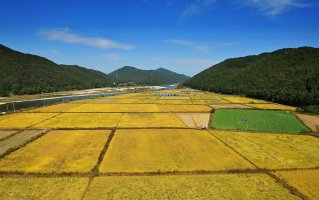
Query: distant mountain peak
146,77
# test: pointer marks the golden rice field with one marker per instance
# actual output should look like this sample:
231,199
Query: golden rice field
58,151
274,151
306,181
120,108
146,146
169,150
141,120
185,108
272,106
61,107
24,120
82,120
42,188
221,186
244,100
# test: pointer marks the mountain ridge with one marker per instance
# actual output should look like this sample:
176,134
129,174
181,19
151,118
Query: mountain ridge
289,76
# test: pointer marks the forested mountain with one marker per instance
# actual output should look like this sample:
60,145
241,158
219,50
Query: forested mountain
289,76
29,74
146,77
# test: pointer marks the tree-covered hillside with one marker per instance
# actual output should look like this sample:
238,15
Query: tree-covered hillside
29,74
289,76
159,76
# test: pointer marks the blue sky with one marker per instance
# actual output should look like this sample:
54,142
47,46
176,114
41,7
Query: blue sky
185,36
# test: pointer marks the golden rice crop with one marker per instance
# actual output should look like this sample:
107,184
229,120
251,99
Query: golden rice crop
218,186
58,151
62,107
272,106
185,108
153,150
236,99
82,120
173,101
305,181
209,101
23,120
274,151
42,188
117,108
131,120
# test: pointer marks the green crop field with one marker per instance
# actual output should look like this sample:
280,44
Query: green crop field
257,120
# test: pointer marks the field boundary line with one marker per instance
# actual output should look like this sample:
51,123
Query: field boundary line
177,115
290,188
13,134
118,122
142,112
233,149
44,120
281,182
9,151
95,170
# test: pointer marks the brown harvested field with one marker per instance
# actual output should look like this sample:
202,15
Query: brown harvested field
18,140
195,120
173,97
305,181
310,121
222,106
4,134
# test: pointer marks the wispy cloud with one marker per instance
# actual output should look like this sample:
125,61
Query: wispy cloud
111,56
275,7
195,62
193,45
197,7
67,36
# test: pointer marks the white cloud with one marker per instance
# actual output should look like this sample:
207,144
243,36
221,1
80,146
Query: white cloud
197,7
111,56
67,36
275,7
195,62
194,45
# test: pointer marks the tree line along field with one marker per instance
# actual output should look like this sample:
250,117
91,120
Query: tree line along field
197,145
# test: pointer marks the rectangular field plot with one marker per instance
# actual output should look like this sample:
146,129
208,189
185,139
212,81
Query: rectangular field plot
44,188
23,120
305,181
175,101
229,105
272,106
205,96
154,150
257,120
174,97
219,186
274,151
5,134
195,120
82,120
185,108
209,101
236,99
117,108
311,121
138,120
62,107
58,151
18,140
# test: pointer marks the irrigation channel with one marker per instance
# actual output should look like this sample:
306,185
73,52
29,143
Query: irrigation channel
18,105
